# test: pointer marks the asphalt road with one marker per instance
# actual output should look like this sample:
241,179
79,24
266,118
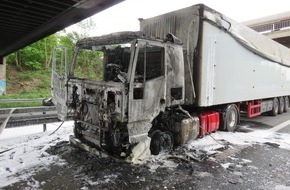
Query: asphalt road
268,122
259,166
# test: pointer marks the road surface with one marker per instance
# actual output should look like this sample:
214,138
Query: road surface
255,166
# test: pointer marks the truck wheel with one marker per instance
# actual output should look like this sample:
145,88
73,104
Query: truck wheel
281,105
275,108
77,130
230,118
161,141
286,103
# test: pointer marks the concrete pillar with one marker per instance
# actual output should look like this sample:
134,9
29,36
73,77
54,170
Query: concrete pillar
2,76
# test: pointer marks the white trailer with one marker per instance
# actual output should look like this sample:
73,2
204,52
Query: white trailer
230,62
206,71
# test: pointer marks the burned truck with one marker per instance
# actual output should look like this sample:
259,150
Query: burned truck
184,74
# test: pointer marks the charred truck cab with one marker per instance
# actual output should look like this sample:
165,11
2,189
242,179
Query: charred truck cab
142,78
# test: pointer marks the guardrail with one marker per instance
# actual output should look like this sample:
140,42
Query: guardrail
29,116
21,100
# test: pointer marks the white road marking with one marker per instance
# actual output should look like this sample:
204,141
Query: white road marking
280,126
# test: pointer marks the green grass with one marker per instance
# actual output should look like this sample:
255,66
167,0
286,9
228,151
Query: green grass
26,76
24,94
26,85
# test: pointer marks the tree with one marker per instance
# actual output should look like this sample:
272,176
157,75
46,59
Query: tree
34,56
38,55
88,63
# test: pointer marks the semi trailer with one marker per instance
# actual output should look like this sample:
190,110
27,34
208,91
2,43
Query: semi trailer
184,74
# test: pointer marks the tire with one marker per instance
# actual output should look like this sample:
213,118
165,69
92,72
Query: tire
281,105
161,141
230,118
167,141
155,145
77,130
286,103
275,108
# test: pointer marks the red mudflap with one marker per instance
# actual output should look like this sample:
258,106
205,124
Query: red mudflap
209,122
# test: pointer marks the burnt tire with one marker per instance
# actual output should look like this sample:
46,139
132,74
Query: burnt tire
275,107
77,130
161,141
230,118
155,145
286,103
281,105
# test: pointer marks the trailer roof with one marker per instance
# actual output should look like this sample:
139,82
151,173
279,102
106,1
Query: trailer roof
177,22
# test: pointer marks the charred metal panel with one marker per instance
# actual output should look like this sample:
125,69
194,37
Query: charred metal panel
180,23
184,24
100,100
143,111
175,75
113,38
138,131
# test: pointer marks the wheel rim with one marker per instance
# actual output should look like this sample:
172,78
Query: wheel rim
232,118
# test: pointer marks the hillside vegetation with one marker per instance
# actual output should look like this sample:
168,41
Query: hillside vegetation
28,71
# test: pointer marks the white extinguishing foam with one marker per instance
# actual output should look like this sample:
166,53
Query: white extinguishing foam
141,152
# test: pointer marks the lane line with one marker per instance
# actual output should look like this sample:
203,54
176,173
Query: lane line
280,126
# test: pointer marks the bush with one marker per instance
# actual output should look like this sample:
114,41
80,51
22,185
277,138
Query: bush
24,76
33,65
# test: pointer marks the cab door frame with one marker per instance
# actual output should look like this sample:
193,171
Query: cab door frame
143,109
59,82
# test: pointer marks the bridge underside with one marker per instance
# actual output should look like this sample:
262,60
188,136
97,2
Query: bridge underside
24,22
281,36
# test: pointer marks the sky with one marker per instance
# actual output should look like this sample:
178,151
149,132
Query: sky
124,16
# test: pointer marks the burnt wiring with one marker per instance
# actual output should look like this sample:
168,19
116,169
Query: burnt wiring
59,125
56,129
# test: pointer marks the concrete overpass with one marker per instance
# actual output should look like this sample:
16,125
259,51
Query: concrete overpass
276,27
26,21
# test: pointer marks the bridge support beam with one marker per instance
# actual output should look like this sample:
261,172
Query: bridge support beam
2,75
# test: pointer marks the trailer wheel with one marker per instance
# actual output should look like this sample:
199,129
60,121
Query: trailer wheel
286,103
281,105
275,108
161,141
230,118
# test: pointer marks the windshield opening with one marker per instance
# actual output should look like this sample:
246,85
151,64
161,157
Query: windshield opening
103,63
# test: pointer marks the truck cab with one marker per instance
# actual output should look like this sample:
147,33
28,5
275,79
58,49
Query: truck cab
140,78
